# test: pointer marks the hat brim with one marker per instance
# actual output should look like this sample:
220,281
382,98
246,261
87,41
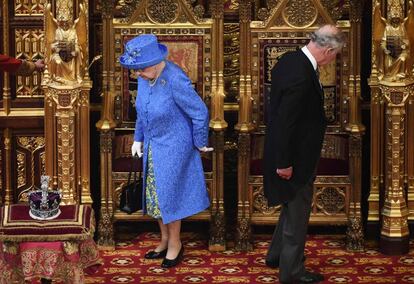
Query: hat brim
144,64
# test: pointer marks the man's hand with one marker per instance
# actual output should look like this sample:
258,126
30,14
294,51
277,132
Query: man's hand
40,65
285,173
136,149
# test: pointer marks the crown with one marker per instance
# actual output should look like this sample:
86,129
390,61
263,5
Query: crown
44,203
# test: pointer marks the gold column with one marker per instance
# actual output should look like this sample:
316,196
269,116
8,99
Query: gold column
377,129
67,107
410,157
8,195
218,125
106,125
392,84
244,127
6,83
356,130
394,230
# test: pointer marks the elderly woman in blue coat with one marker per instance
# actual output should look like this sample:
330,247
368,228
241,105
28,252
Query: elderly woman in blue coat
170,131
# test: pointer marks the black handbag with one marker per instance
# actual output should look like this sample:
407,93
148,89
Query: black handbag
131,195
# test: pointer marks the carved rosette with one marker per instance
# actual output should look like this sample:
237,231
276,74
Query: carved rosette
330,200
260,204
163,11
300,13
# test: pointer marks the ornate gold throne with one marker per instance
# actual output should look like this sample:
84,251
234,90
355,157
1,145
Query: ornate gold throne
189,39
336,189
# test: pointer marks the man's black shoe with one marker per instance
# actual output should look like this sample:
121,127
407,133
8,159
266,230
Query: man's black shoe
309,277
275,264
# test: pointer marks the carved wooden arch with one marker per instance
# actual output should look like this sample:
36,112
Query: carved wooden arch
282,11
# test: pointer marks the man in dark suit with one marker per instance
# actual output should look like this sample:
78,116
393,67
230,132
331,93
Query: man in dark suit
295,132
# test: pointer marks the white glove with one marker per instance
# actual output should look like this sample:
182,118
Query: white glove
206,149
136,149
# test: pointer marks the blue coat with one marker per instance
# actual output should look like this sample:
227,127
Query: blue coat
174,120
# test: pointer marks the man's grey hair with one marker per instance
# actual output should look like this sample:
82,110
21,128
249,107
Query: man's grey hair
325,37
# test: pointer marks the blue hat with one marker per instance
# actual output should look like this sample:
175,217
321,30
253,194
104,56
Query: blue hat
143,51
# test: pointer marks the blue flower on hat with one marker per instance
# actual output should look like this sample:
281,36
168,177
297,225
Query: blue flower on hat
143,51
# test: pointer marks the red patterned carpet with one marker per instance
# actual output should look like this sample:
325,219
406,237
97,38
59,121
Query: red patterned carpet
325,254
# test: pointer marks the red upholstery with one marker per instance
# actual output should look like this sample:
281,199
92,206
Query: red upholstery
329,164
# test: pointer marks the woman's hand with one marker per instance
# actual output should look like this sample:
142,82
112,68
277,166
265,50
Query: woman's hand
205,149
136,149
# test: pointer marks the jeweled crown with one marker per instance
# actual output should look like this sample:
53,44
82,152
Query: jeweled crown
44,203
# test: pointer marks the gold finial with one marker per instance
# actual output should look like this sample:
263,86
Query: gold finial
395,10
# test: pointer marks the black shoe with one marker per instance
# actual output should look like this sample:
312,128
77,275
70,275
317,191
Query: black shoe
167,263
156,254
309,277
275,263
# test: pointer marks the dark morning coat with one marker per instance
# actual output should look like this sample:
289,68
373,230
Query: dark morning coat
295,127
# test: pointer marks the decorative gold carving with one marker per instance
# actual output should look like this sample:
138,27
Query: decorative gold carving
355,235
29,7
66,45
159,12
8,195
330,199
245,9
21,169
217,9
231,71
29,46
259,204
263,14
243,235
395,211
334,147
106,141
64,10
32,144
300,14
42,164
393,45
337,8
356,9
355,146
199,11
217,232
163,11
244,144
105,228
